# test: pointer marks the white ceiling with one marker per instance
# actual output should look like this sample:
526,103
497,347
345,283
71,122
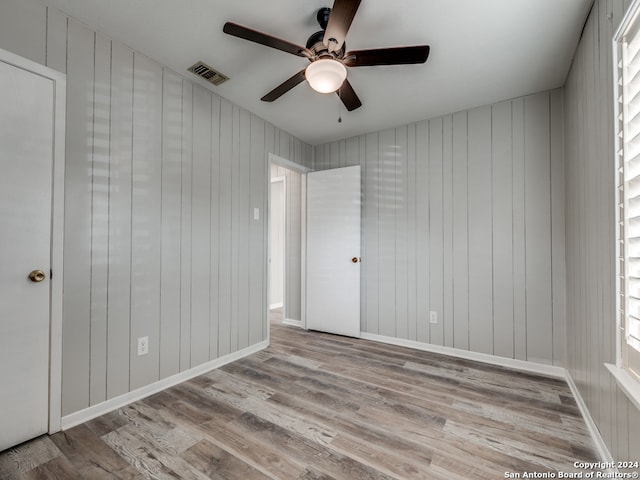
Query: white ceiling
481,52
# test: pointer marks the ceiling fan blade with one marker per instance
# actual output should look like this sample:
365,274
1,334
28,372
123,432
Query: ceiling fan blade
340,20
348,96
265,39
284,87
387,56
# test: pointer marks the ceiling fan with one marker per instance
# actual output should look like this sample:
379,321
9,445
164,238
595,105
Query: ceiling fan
327,72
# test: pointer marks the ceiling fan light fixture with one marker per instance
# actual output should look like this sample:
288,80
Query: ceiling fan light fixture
326,75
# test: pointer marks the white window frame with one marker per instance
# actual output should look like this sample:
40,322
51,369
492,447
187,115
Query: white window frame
627,134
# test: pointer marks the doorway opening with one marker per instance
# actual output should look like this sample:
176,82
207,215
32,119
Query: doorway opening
287,236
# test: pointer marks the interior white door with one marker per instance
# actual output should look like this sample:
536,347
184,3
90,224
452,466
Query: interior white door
333,251
26,164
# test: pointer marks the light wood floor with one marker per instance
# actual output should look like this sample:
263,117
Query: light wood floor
318,406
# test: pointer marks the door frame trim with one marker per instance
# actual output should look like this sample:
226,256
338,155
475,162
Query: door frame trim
57,229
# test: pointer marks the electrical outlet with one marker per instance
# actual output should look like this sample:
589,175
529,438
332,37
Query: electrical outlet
143,346
433,317
256,213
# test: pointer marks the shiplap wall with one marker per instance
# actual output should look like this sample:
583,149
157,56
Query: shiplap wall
463,215
161,180
590,226
293,231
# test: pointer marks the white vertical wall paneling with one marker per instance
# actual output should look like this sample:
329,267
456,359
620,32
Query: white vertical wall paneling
502,229
284,143
342,153
599,376
319,157
558,274
447,229
538,228
361,156
402,260
295,150
201,227
590,38
580,239
257,238
328,156
387,232
436,232
479,220
214,228
352,148
371,229
100,218
244,219
519,246
422,232
120,174
269,138
129,206
444,219
460,233
269,146
77,248
235,227
185,225
335,154
171,224
56,40
146,218
224,329
583,244
589,200
324,158
412,292
607,236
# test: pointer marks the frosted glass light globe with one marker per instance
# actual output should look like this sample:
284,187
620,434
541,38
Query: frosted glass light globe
326,75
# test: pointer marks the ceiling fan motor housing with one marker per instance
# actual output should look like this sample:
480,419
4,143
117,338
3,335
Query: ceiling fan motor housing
315,44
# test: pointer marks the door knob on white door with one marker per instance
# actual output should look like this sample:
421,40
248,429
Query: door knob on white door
37,276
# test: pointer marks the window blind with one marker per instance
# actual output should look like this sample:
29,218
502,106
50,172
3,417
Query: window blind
628,188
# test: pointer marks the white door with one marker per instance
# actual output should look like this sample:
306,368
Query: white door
26,164
333,251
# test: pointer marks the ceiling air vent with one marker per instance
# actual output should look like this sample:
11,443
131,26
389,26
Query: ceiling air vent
209,74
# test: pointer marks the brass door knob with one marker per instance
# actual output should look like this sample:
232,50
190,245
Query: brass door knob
354,259
37,276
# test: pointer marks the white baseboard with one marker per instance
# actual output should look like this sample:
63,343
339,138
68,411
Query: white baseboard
295,323
601,447
69,421
522,365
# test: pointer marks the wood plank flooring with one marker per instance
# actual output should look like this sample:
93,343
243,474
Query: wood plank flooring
318,406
